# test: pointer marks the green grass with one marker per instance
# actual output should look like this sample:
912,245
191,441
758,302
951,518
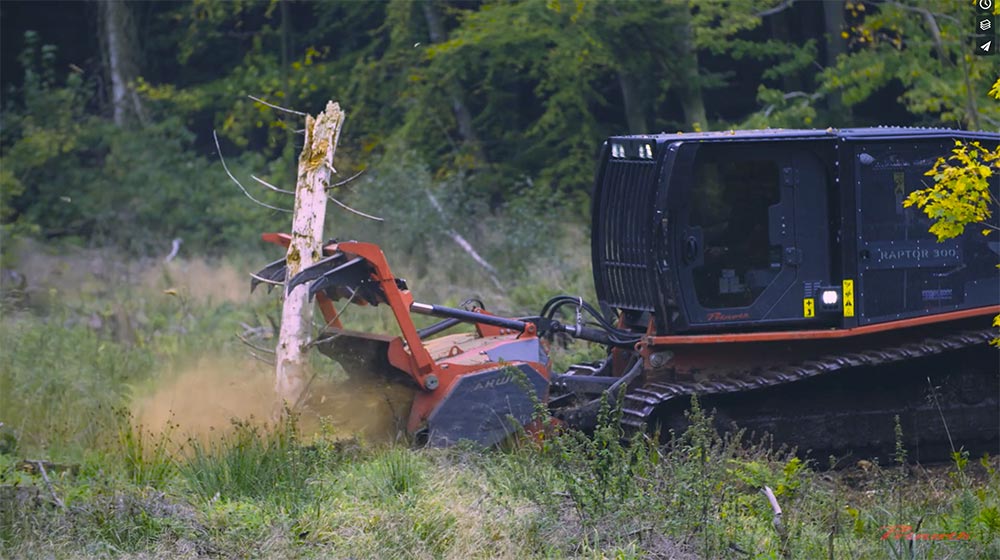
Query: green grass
260,493
66,386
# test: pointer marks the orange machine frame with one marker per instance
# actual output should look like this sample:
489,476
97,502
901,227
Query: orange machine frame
407,353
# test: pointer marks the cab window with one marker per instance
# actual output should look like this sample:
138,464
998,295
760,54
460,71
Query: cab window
730,203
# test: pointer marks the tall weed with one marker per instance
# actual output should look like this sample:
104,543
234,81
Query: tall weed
601,472
253,462
148,458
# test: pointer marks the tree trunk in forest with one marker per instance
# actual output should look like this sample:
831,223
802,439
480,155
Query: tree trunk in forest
781,30
692,101
315,167
635,116
463,118
120,51
286,24
836,45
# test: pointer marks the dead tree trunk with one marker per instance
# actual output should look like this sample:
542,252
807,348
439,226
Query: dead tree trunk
692,101
463,118
118,39
315,167
836,45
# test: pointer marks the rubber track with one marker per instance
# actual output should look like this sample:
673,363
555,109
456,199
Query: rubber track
640,403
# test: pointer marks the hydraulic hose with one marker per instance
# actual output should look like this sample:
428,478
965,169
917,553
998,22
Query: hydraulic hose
468,316
606,333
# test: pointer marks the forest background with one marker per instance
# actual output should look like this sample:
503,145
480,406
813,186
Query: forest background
497,107
494,109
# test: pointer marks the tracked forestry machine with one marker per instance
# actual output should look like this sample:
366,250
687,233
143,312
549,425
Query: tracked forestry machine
775,274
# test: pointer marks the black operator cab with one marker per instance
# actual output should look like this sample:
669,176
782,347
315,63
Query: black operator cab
778,229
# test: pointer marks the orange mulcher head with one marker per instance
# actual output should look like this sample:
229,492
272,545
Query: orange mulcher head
479,386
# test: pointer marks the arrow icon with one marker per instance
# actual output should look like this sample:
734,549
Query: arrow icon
986,46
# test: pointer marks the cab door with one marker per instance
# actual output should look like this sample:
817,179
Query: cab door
752,234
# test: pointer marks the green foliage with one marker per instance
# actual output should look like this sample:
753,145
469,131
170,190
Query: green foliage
520,237
602,473
922,47
795,109
757,475
554,50
132,188
568,54
507,100
926,49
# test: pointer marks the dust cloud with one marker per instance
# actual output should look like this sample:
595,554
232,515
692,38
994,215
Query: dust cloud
202,401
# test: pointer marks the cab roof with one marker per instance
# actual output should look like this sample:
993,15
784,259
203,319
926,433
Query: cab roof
873,133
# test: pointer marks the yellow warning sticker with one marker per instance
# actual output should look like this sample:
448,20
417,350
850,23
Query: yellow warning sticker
808,307
848,298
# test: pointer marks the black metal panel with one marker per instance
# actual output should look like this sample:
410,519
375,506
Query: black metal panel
845,250
623,233
487,406
902,270
863,235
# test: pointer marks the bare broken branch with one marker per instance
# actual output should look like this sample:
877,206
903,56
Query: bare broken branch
270,186
310,344
347,180
327,324
775,508
238,184
352,210
261,359
278,107
343,308
265,280
325,339
246,341
257,331
779,527
175,246
45,477
779,8
465,245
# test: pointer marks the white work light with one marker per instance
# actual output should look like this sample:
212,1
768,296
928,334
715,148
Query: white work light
829,297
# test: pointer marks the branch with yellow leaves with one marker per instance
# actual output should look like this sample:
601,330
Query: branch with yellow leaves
961,194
